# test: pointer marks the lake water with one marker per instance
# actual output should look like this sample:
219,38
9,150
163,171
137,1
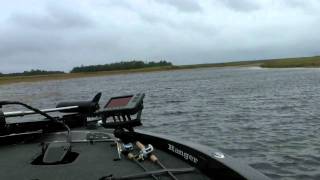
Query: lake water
268,118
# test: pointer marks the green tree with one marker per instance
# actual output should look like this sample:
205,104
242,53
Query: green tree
123,65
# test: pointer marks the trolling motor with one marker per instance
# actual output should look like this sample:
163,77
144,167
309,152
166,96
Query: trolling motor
84,107
34,110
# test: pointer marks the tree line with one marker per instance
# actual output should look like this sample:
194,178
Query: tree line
120,66
124,65
32,72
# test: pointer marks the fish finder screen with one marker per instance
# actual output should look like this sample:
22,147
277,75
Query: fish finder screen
118,102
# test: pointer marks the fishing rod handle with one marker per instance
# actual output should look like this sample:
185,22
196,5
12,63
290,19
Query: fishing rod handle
140,145
130,156
153,158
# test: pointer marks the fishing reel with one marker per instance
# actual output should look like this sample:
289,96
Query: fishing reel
127,147
145,152
141,155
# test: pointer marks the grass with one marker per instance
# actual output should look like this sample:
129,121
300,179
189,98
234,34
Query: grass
307,62
293,62
18,79
272,63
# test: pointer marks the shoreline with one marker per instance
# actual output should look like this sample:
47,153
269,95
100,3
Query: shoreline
66,76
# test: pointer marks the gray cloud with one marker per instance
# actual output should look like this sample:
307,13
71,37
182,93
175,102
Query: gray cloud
12,44
183,5
242,5
55,17
60,36
296,3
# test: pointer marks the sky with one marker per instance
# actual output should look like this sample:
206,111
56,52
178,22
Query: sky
59,35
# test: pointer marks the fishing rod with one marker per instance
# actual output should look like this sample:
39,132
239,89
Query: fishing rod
24,113
154,159
132,157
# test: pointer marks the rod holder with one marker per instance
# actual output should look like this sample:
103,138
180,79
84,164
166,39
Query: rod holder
3,122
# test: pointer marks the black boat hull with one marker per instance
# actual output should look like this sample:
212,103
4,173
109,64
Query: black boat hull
214,164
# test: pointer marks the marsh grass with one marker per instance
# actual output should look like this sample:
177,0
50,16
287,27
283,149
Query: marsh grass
272,63
18,79
293,62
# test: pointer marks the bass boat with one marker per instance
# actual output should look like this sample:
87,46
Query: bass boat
84,141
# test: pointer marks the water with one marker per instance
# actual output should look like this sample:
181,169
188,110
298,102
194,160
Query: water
267,118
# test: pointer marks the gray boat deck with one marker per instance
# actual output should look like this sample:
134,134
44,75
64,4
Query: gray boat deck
95,160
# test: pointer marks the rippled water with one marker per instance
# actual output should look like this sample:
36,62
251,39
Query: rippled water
266,117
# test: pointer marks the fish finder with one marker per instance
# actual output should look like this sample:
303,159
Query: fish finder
121,110
121,105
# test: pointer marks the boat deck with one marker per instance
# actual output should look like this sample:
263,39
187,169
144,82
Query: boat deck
94,159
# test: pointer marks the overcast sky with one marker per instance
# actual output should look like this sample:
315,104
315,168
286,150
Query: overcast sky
58,35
